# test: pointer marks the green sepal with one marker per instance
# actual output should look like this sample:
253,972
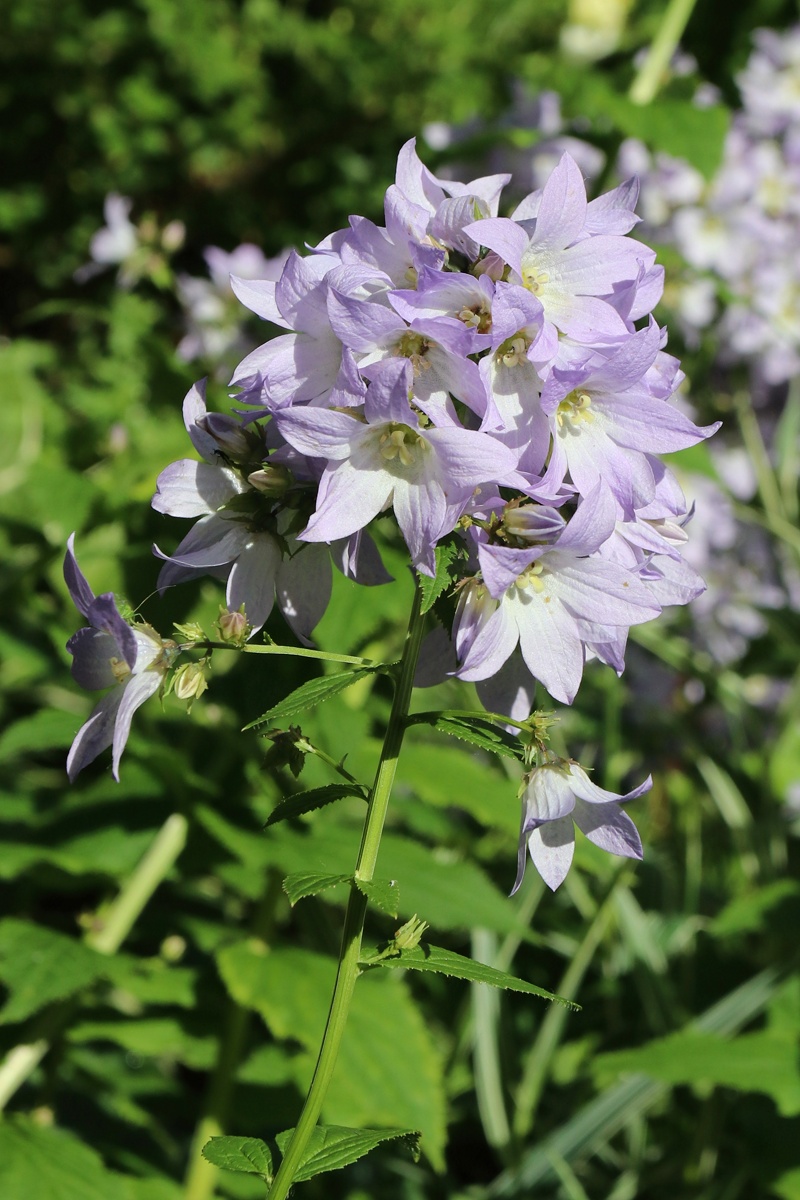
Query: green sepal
303,883
247,1155
331,1147
305,802
475,730
385,893
425,957
310,694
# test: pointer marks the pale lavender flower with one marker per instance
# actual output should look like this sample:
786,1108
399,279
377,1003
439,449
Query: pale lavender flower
558,796
387,457
110,653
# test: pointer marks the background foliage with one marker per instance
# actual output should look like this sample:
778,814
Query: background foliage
254,120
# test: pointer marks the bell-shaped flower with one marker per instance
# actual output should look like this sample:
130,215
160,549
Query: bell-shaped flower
110,653
385,457
568,272
558,796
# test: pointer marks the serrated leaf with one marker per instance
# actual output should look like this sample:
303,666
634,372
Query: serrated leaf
332,1147
447,553
425,957
310,694
473,730
383,892
39,966
303,884
315,798
390,1070
248,1155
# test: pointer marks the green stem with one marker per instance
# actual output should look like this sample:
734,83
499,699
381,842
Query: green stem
663,46
350,951
759,456
106,934
292,651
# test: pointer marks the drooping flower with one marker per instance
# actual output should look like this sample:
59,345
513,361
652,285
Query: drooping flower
110,653
558,796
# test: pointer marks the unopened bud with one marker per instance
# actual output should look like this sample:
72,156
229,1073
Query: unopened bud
227,432
232,626
272,481
532,522
191,632
492,265
408,936
190,681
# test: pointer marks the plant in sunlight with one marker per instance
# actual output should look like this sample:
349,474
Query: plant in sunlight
497,391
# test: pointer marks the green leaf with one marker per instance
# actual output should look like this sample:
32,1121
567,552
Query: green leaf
390,1070
475,730
787,1186
306,802
445,962
303,884
39,966
310,694
385,893
753,1062
151,1037
448,552
249,1155
45,731
51,1164
331,1147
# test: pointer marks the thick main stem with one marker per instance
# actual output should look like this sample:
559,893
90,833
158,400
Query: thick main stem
356,910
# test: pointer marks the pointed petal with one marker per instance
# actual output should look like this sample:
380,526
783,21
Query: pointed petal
95,735
191,489
562,210
609,828
82,595
136,690
551,848
303,588
92,651
252,579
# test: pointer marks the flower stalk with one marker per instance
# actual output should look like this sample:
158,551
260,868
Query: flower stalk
350,951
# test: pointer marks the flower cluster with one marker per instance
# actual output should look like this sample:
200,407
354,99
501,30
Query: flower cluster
497,383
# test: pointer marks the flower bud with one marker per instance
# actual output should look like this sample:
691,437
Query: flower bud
190,681
191,631
534,523
272,481
227,432
232,626
408,936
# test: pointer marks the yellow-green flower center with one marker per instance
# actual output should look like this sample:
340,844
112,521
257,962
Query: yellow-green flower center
535,279
513,350
401,443
414,347
574,411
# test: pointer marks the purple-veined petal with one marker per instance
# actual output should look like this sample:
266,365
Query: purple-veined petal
468,458
318,432
82,595
259,296
609,828
192,489
387,394
421,512
348,499
551,848
252,579
357,557
92,651
550,641
104,614
548,796
96,735
588,791
136,690
194,410
495,642
363,325
303,588
212,542
504,236
562,209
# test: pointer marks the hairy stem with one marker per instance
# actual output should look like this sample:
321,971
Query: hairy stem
356,910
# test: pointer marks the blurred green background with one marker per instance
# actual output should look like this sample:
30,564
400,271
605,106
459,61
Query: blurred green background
269,123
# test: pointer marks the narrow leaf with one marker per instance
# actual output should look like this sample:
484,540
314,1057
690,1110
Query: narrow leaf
383,892
307,884
445,962
447,553
473,730
310,694
305,802
333,1146
248,1155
